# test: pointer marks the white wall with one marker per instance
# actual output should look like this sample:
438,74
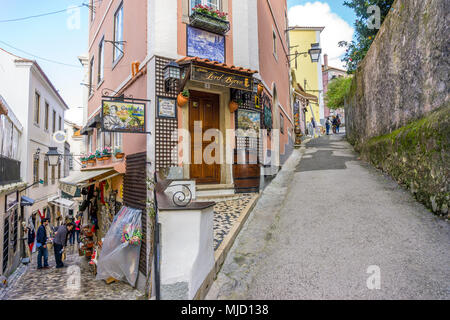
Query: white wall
163,29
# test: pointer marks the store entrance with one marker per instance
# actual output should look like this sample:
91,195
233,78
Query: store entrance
203,107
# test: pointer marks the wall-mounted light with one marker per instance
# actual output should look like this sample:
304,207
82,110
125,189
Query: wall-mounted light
53,156
315,52
172,74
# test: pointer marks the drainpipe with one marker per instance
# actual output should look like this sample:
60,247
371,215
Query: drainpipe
157,246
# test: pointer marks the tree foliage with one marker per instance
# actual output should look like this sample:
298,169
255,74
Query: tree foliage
364,33
338,89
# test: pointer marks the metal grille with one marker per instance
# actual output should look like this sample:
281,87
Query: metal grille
135,196
164,128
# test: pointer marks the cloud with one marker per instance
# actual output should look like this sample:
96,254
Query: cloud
319,14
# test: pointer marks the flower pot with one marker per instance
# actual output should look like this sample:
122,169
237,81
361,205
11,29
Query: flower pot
83,162
260,89
120,155
233,105
182,100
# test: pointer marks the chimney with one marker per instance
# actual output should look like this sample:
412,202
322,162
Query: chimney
325,60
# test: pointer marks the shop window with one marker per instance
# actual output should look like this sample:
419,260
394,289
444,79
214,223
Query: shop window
37,107
45,172
101,53
118,33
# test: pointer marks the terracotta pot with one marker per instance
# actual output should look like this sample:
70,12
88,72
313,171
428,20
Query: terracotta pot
182,100
92,161
233,106
119,155
260,89
83,162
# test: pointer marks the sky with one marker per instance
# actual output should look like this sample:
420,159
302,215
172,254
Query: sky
63,37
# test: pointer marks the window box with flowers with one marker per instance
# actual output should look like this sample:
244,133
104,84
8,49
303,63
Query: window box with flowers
205,17
84,159
91,158
99,155
107,153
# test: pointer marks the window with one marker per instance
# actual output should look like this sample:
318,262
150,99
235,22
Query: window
54,122
71,162
59,171
91,76
281,123
101,51
117,140
274,36
107,139
99,139
53,174
60,123
215,4
89,147
45,172
118,33
92,9
37,107
36,170
47,110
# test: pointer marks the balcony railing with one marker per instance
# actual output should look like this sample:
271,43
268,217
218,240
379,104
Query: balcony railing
9,171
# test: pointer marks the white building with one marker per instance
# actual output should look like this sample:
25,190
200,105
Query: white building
76,143
40,109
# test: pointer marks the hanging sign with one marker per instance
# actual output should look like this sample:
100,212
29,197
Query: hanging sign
68,188
119,116
221,78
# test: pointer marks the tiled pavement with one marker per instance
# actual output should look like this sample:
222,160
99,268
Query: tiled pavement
28,283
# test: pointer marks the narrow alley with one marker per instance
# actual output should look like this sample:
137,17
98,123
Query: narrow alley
325,223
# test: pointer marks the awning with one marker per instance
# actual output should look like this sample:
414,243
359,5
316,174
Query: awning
26,202
91,124
65,203
80,179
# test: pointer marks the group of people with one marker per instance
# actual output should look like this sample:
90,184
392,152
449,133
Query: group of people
65,232
333,124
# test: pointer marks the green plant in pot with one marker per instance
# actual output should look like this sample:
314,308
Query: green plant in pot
183,98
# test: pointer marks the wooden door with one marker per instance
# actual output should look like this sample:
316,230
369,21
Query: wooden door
203,107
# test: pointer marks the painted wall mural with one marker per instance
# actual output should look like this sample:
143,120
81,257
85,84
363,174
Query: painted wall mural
205,45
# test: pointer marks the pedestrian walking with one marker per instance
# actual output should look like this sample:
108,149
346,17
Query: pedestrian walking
31,237
78,228
313,124
41,244
328,125
334,123
338,123
60,242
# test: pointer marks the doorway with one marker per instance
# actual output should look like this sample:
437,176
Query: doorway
203,107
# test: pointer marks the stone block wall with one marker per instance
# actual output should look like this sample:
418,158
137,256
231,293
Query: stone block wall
397,112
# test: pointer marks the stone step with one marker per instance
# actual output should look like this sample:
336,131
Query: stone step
214,191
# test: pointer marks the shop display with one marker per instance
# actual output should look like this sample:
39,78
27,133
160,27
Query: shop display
120,250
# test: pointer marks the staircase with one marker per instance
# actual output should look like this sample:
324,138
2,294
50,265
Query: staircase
215,192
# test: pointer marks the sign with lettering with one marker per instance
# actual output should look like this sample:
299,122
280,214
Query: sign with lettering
68,188
221,78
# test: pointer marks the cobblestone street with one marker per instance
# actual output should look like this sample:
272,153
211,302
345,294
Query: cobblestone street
28,283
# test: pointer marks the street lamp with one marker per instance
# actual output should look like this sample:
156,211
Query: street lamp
172,73
53,156
315,52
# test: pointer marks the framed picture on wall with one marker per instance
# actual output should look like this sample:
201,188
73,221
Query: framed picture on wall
248,123
167,107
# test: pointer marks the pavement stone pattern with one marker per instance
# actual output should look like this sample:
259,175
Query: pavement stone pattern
225,215
322,225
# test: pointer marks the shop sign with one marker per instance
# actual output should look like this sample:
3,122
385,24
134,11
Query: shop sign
221,78
11,201
167,107
119,116
69,189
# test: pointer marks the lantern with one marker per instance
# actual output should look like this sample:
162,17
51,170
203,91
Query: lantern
315,52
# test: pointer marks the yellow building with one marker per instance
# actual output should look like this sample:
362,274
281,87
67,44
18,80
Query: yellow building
308,73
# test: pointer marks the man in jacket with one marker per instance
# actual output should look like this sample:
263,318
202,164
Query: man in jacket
41,244
60,242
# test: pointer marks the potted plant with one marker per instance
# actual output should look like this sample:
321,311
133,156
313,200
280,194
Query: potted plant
183,98
106,153
91,158
207,18
98,155
119,154
83,159
260,88
234,105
